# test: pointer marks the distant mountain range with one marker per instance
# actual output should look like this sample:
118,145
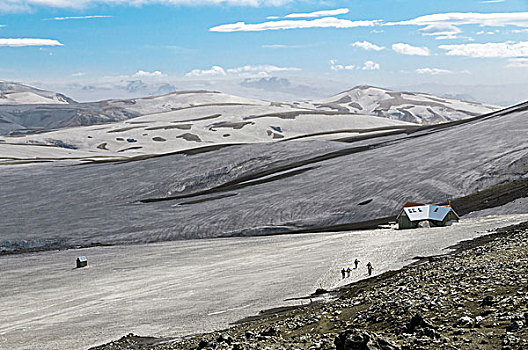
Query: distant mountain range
404,106
192,119
18,94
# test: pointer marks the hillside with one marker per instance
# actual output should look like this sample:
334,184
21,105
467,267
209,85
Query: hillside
16,94
25,109
404,106
269,188
468,299
194,127
182,121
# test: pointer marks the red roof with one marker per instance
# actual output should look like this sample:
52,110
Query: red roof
412,204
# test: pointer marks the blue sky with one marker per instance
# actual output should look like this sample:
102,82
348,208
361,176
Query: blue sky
387,43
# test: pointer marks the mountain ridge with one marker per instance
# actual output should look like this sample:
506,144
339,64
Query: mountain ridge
420,108
312,185
185,120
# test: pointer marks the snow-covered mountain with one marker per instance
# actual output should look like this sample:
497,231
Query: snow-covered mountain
404,106
25,109
179,121
193,120
266,188
42,111
15,94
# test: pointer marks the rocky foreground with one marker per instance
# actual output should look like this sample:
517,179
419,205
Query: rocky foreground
474,298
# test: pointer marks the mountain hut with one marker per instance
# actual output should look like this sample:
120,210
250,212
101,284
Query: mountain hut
413,213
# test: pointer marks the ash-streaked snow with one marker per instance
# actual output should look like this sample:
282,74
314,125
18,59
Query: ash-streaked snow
404,106
188,128
170,289
189,119
323,185
18,94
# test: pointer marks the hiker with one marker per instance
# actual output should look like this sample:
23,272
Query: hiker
348,272
356,262
369,268
343,273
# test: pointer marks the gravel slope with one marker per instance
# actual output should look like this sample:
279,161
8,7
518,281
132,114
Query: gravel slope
180,288
473,299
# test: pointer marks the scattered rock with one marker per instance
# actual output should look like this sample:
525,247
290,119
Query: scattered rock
270,332
224,338
515,326
204,344
465,322
468,300
320,291
361,340
487,301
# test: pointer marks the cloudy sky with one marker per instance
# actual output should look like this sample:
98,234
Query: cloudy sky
306,46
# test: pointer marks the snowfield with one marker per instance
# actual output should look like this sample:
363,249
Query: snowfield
189,128
181,121
405,106
170,289
19,94
180,171
260,188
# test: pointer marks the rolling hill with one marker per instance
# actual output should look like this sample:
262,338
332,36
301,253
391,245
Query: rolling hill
270,188
182,121
12,93
404,106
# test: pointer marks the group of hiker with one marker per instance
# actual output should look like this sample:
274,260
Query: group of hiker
346,273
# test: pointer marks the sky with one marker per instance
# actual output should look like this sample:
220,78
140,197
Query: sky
274,49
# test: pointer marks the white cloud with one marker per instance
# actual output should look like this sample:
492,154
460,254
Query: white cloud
79,17
29,42
516,31
519,19
214,71
143,74
446,37
369,65
365,45
247,70
433,71
491,1
28,5
280,46
78,74
261,68
441,30
504,49
517,63
176,49
326,22
487,33
324,13
337,67
406,49
13,6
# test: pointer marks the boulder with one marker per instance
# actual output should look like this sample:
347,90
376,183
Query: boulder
465,322
355,339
